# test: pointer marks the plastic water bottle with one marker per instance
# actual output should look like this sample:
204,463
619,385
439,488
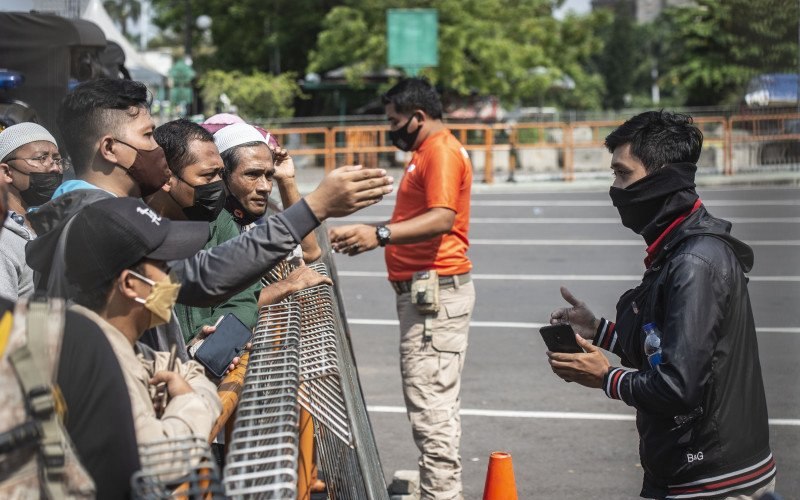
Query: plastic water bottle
652,344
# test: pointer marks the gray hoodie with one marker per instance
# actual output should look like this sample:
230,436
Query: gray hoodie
16,277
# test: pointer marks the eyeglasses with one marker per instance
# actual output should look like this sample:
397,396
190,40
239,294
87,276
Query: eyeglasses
45,160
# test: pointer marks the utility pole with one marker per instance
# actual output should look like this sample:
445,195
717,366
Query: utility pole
188,21
187,51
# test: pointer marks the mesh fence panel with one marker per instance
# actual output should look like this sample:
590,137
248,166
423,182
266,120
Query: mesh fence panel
262,454
358,470
302,355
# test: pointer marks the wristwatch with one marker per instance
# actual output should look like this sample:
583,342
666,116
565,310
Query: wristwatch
383,233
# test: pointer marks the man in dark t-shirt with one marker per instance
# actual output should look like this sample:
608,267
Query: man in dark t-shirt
98,419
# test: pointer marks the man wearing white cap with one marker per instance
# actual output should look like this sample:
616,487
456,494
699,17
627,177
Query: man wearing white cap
31,167
249,187
251,165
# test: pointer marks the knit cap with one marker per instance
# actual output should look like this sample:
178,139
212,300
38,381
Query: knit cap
21,134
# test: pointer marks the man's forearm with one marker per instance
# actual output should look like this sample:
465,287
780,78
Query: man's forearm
290,195
212,276
435,222
275,293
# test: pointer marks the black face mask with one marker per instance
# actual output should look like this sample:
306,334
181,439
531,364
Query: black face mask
209,200
650,204
402,138
41,186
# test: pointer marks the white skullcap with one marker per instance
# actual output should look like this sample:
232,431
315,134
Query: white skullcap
21,134
236,135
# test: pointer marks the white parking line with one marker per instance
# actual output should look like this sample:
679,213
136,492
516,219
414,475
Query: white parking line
575,220
478,324
558,415
562,277
607,203
609,243
532,326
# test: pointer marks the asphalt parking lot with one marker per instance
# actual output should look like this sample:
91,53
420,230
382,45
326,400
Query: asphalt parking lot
568,441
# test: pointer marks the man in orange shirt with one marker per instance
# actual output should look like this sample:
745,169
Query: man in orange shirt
427,232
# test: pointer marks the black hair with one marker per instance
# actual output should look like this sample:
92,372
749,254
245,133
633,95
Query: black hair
91,110
412,94
231,157
658,138
97,298
174,138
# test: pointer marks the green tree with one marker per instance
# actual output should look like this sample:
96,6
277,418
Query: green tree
716,46
266,35
515,50
257,95
575,50
121,11
622,56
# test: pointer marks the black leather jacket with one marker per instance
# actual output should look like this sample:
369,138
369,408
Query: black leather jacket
701,413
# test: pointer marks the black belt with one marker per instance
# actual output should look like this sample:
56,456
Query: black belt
444,282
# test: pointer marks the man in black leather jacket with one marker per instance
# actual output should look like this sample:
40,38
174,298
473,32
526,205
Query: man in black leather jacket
695,381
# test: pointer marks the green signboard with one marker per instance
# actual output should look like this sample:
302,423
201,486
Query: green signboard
413,38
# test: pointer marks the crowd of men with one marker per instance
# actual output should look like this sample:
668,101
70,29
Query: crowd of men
160,232
112,280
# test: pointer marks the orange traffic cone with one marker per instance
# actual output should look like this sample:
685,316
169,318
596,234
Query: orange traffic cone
500,484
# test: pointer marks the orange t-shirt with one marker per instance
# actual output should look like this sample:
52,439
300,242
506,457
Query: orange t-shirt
438,175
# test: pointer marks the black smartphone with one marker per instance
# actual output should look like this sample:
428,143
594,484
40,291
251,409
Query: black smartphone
560,338
228,341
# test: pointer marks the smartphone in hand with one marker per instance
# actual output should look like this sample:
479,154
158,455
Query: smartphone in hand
560,338
228,341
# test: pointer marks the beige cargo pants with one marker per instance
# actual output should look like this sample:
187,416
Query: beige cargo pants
430,365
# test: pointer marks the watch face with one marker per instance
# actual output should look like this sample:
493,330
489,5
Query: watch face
384,232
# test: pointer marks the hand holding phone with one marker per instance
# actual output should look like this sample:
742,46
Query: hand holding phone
560,338
220,348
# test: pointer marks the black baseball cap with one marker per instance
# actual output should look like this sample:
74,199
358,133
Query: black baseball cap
111,235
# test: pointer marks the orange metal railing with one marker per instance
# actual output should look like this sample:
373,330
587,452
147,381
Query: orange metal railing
731,144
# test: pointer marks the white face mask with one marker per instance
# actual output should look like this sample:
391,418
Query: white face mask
161,299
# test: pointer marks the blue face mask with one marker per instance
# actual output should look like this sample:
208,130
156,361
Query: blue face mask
402,138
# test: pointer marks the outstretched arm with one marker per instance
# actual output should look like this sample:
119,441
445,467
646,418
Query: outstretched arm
212,276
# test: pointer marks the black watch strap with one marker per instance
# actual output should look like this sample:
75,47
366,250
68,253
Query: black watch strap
383,234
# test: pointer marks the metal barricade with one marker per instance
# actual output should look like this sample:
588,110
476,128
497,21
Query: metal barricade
302,355
358,467
176,468
262,454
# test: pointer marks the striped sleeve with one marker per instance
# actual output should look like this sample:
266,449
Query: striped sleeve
606,336
616,384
